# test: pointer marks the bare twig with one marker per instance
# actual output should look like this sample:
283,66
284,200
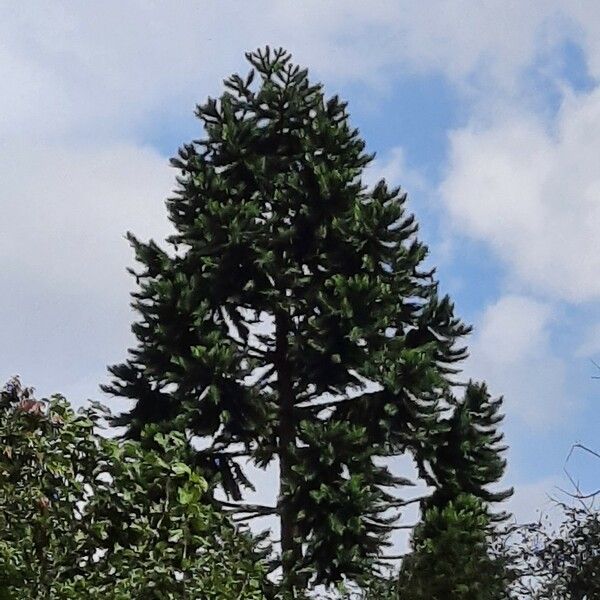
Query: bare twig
579,495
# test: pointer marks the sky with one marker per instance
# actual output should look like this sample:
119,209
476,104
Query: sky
487,113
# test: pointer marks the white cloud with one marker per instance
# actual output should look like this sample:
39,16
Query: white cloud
104,69
393,168
104,73
590,345
66,210
535,500
511,350
534,196
64,308
83,80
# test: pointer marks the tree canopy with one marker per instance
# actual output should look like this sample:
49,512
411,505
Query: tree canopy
292,321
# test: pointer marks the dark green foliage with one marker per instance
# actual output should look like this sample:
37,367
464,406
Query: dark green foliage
451,556
86,517
331,508
452,548
292,318
465,453
378,588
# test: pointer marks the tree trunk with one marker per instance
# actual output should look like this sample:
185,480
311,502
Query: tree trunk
291,550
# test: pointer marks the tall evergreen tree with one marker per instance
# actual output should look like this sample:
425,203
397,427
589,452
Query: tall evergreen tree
464,455
453,554
293,319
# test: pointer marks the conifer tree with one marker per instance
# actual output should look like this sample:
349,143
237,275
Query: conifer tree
292,320
464,455
451,555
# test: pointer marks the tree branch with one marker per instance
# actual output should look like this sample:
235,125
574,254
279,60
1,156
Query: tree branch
258,509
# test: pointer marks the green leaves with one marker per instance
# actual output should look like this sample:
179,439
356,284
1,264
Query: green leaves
451,556
294,319
565,559
465,455
86,516
180,468
335,495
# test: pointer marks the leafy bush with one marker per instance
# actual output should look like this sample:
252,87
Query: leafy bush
82,515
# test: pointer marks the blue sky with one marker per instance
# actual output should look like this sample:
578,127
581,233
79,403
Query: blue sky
487,113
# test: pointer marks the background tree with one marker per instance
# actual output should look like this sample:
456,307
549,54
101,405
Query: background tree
560,562
292,319
83,516
464,456
567,562
451,556
454,549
